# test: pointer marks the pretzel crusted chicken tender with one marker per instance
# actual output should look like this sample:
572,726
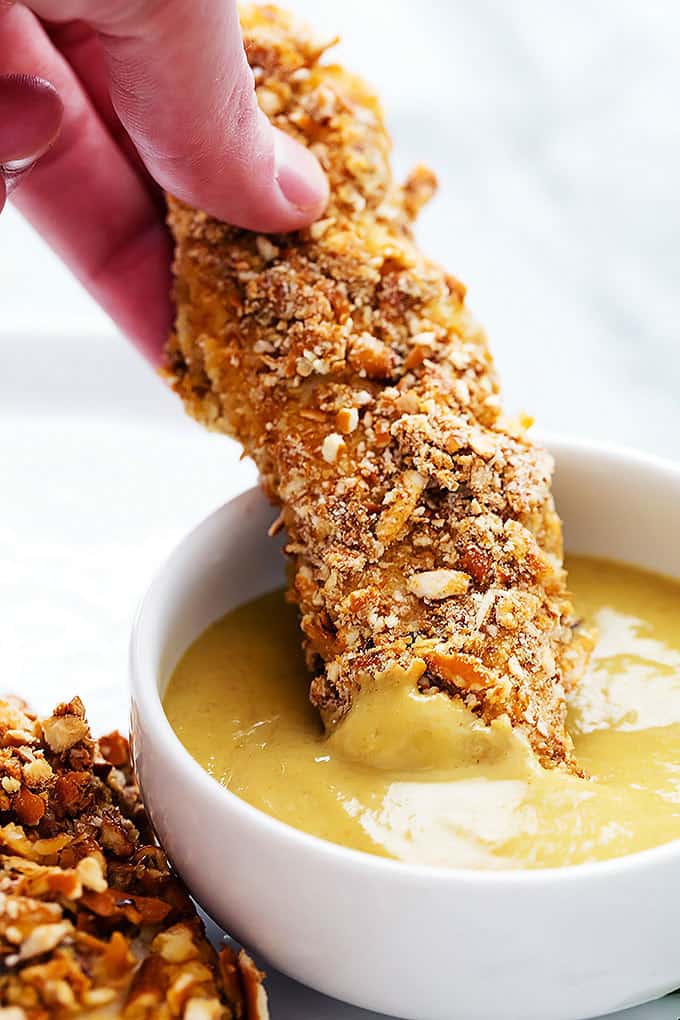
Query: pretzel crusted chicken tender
420,521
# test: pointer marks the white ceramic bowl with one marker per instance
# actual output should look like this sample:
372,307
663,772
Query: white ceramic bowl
416,942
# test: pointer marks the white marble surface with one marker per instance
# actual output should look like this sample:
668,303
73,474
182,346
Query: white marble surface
555,132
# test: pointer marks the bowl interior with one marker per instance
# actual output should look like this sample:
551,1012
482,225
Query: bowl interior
226,561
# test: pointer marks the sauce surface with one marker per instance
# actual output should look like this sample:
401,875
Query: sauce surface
416,776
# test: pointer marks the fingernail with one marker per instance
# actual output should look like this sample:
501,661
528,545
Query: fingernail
299,175
30,119
17,166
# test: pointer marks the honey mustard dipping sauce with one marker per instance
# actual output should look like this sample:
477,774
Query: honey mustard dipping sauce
416,776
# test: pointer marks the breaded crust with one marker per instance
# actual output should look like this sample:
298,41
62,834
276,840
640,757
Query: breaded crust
420,520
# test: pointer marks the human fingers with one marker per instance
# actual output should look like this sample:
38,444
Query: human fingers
182,87
88,203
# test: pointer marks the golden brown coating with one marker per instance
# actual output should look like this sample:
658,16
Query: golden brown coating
93,921
420,520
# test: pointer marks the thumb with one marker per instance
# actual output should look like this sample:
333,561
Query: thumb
183,89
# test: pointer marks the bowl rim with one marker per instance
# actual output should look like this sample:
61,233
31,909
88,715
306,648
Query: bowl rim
147,701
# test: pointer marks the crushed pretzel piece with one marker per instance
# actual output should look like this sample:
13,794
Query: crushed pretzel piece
92,918
267,250
62,731
255,995
89,871
438,584
331,447
276,526
40,940
403,501
347,420
115,749
371,357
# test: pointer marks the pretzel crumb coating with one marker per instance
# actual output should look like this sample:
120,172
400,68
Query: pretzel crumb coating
420,519
93,921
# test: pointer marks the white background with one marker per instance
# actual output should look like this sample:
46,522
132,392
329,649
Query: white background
554,129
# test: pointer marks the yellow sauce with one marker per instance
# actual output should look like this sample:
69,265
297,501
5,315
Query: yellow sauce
415,776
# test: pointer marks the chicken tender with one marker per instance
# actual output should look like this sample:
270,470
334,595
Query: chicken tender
420,521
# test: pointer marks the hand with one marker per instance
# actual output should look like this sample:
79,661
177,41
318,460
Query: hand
103,103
